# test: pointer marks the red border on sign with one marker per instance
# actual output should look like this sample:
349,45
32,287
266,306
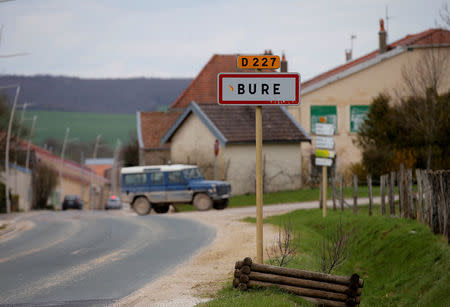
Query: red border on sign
257,75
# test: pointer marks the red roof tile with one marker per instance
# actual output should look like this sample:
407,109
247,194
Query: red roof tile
203,89
154,125
431,36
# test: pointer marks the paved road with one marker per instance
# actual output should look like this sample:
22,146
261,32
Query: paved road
92,258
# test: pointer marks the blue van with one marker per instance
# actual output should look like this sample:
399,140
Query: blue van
159,186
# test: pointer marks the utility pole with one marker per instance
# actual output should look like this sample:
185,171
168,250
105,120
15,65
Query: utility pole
27,162
82,175
115,167
94,156
62,162
8,137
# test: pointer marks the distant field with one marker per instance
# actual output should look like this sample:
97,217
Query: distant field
85,126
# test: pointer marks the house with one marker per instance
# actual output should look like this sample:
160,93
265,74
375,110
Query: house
343,94
76,179
187,134
194,133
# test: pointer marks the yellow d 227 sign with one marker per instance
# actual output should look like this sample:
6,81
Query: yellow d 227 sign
258,61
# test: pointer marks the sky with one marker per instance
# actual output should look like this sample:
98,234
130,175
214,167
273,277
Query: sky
168,39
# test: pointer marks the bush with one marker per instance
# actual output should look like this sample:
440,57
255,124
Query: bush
43,182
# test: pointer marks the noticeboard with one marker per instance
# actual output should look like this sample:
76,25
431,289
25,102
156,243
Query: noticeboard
357,116
328,115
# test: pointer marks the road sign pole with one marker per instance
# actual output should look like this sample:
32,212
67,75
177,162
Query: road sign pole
324,191
259,186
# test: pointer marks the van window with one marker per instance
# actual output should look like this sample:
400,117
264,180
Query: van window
175,177
156,178
135,179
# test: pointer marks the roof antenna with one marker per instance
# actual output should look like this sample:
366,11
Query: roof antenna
349,52
387,17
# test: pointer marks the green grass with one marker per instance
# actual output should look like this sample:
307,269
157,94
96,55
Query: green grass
283,197
84,126
401,261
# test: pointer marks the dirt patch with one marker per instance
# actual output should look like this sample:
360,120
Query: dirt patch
200,277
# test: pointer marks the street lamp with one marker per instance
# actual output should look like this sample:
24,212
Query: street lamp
8,136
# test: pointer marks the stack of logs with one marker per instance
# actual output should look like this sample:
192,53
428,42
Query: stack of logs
322,289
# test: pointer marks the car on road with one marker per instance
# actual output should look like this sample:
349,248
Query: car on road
159,186
113,202
72,202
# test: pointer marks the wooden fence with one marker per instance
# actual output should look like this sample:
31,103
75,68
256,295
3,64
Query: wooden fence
319,288
429,203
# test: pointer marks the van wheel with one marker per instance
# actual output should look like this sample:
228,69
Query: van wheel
221,204
164,208
202,202
141,206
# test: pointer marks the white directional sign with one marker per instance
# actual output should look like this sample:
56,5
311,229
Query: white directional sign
323,162
258,88
324,129
324,142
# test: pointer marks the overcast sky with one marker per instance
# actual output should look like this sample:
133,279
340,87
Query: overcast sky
116,38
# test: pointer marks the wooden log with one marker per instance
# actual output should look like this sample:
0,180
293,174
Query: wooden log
383,194
247,261
369,184
298,282
245,270
271,269
235,282
341,191
238,264
243,287
391,194
244,278
237,273
355,194
301,291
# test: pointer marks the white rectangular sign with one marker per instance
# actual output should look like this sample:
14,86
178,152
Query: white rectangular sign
324,129
323,162
324,142
258,88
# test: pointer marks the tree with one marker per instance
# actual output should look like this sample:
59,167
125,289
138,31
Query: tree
130,152
44,180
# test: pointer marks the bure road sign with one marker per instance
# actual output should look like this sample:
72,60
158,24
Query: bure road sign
258,88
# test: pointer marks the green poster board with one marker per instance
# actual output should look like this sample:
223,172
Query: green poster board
328,112
357,116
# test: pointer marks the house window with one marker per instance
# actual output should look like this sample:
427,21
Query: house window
328,113
357,116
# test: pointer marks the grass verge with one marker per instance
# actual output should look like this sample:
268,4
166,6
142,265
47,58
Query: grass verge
401,261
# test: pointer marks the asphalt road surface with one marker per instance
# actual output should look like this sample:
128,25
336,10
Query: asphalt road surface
92,258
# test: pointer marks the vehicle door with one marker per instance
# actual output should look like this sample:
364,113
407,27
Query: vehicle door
177,188
157,188
133,184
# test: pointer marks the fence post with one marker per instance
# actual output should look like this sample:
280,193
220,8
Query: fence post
341,191
369,184
355,194
401,190
391,194
419,196
411,206
383,194
320,191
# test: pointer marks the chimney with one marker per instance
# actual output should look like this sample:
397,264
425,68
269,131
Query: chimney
382,37
283,64
348,55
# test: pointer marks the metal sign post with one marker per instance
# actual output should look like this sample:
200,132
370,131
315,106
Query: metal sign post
323,155
216,152
258,89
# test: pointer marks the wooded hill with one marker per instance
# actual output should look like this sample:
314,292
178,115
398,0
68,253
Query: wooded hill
96,95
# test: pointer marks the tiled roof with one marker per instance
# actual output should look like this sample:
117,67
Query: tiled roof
429,37
154,125
237,124
203,89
